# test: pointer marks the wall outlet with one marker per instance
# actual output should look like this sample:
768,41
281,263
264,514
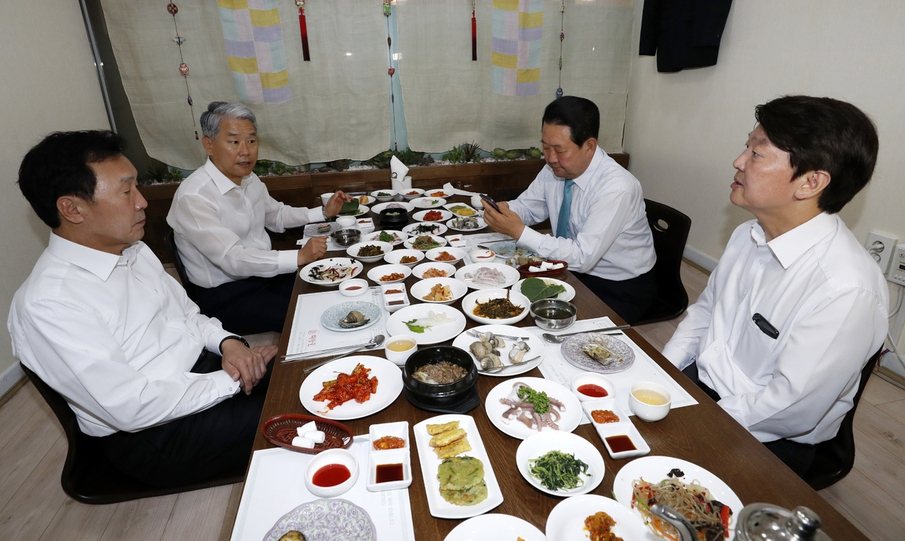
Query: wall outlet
896,272
880,246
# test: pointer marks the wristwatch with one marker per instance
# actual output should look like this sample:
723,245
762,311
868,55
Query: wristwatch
234,337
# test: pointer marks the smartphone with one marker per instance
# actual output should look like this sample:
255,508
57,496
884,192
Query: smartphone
489,200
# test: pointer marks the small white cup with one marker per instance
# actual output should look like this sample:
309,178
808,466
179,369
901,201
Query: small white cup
325,198
400,347
649,401
346,222
476,202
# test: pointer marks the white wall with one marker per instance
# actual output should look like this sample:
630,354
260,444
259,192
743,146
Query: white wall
49,84
684,129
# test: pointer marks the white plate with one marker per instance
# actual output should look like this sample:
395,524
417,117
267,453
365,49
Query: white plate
655,468
536,348
428,202
422,288
544,442
455,226
398,236
331,519
439,507
434,335
566,295
466,274
419,270
421,215
624,427
395,257
392,205
434,253
623,356
494,527
331,316
304,274
412,193
410,242
385,248
566,521
377,273
437,192
362,210
384,195
389,385
571,416
462,209
425,228
471,301
364,199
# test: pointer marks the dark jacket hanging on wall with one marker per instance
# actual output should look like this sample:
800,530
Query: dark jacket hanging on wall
683,33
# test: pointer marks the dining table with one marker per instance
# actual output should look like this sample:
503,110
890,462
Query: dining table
702,434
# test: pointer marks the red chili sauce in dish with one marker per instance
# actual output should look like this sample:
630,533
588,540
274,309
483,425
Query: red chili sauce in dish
331,475
620,443
353,288
593,390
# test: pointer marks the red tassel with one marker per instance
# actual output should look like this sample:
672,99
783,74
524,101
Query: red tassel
474,37
303,29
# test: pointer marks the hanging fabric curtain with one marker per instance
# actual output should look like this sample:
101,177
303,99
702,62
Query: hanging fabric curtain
335,106
498,100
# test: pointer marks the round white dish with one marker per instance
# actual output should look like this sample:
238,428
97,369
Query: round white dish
422,215
425,228
432,335
419,270
570,417
566,521
398,236
395,257
434,254
385,248
422,288
389,379
332,315
566,295
350,267
377,273
543,442
471,301
428,202
410,242
494,527
468,273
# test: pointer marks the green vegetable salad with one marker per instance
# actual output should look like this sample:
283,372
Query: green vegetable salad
558,471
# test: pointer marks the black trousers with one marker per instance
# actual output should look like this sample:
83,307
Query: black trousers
248,306
797,456
195,448
629,298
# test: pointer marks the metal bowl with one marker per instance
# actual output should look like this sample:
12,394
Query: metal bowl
346,237
553,314
438,394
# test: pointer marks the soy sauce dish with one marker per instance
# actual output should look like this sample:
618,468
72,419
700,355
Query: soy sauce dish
331,473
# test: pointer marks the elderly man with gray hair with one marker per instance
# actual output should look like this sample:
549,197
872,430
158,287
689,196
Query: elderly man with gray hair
219,216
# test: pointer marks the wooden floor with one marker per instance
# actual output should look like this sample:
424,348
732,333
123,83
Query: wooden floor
33,506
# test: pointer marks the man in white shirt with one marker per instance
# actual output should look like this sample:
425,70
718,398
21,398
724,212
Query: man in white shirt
220,216
795,307
102,323
595,208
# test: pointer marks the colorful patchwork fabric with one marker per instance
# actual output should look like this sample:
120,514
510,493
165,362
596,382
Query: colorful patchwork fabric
517,32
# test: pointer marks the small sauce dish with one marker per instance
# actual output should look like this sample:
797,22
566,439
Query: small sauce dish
590,386
353,287
331,473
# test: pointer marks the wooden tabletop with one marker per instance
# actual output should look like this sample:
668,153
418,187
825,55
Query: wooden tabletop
702,434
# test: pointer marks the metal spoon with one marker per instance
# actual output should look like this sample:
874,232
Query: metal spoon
370,345
560,338
505,366
373,343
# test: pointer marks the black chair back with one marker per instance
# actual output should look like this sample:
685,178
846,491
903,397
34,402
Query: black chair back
836,457
88,476
189,287
669,228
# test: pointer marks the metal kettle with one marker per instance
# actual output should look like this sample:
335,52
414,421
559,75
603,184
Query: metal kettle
756,522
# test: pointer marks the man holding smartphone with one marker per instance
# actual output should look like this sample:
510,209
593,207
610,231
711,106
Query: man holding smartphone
595,207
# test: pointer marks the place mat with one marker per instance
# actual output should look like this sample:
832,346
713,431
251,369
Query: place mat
555,367
275,485
309,336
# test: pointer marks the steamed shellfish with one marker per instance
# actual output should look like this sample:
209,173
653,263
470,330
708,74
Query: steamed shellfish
353,319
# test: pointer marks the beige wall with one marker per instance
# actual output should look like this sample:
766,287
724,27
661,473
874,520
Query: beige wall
49,84
684,129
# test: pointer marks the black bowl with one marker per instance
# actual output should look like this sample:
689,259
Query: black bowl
393,218
430,393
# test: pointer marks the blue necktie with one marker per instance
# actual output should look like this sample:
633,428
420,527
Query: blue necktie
562,224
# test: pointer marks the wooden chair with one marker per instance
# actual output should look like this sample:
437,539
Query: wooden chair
88,476
670,231
835,457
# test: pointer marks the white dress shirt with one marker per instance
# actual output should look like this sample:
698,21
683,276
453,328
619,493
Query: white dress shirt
818,287
220,227
116,336
610,236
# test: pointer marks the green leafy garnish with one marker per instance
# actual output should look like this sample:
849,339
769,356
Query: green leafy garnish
414,327
538,399
386,237
536,289
557,470
349,208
